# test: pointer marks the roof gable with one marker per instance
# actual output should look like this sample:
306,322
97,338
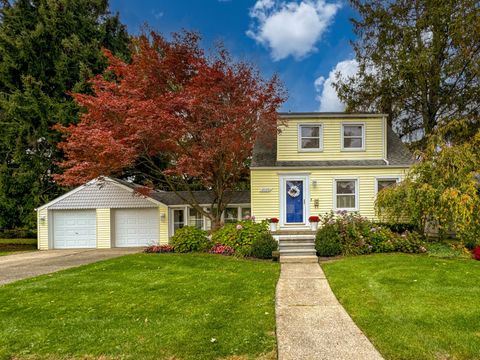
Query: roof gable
101,193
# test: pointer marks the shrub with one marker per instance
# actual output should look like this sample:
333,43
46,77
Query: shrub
351,234
263,246
190,238
18,233
327,241
158,249
476,253
381,240
240,236
399,228
221,250
410,242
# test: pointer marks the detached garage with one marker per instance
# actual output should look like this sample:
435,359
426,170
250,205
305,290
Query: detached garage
103,213
106,213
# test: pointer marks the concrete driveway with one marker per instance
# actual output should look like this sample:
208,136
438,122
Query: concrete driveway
25,265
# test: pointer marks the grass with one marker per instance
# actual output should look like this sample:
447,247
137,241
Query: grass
412,306
143,306
448,249
10,246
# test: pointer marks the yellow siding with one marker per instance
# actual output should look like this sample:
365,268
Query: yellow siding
42,229
267,204
104,235
287,143
163,225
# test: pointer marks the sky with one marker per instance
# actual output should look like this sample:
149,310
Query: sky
306,42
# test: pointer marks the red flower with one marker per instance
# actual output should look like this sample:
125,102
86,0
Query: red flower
314,218
273,220
476,253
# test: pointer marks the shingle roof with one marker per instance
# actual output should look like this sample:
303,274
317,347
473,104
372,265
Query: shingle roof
202,197
265,155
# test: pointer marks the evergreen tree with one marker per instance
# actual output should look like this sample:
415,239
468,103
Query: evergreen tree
419,62
48,48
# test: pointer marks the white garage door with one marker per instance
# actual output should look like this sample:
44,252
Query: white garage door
136,227
74,229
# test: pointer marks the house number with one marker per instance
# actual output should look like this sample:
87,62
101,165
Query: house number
265,190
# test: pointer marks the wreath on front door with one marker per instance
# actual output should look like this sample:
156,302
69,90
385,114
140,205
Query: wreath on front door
294,191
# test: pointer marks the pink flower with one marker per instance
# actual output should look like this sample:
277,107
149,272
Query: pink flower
239,227
247,217
253,218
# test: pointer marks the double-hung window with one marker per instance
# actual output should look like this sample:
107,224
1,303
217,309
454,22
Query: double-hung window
384,183
310,137
346,194
353,137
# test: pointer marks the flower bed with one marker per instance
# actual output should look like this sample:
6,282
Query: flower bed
344,233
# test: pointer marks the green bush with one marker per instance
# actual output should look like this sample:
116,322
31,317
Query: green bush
409,242
189,239
327,241
263,245
351,234
18,233
240,236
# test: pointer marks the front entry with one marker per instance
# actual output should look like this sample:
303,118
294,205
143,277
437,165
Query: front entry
294,191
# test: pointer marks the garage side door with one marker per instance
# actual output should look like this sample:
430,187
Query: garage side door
136,227
73,229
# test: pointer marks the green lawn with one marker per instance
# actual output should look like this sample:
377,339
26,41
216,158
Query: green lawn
10,246
143,306
412,306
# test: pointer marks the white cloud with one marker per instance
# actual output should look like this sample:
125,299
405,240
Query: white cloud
290,28
327,96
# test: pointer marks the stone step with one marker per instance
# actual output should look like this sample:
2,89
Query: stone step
297,252
293,232
296,237
300,244
299,259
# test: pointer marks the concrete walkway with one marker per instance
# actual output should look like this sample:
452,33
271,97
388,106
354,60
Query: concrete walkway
311,323
25,265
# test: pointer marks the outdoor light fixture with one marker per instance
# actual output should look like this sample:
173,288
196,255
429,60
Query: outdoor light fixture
162,217
43,218
314,183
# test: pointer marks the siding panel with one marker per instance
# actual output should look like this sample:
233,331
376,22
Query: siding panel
104,226
164,236
267,204
287,143
42,229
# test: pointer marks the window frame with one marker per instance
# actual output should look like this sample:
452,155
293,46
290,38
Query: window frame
356,194
320,137
342,133
385,178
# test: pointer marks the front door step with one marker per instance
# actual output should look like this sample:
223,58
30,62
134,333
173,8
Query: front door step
299,259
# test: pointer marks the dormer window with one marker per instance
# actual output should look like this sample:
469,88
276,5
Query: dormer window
310,137
353,137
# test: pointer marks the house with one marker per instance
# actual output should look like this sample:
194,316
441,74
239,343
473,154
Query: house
318,162
109,212
325,161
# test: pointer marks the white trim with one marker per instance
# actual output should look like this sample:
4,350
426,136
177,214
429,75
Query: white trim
386,177
320,137
337,115
93,182
306,197
357,192
300,168
364,131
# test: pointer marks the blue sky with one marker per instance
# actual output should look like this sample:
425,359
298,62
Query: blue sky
304,41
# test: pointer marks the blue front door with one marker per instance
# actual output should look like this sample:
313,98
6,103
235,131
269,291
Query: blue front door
294,201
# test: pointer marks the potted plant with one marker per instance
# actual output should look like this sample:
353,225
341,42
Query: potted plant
273,223
314,219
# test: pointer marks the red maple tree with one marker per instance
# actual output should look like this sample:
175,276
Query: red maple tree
173,115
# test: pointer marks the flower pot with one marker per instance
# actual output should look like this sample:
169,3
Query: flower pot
314,226
273,226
